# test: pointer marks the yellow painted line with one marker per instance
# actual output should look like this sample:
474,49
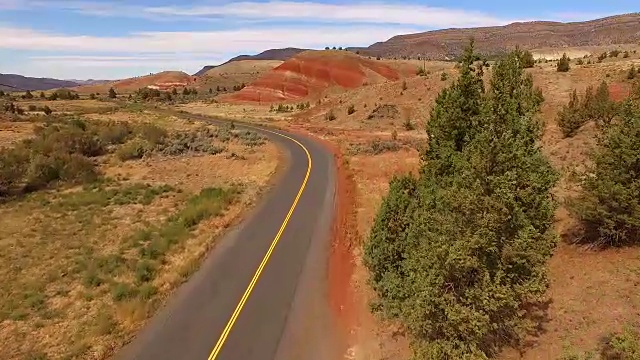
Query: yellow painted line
265,260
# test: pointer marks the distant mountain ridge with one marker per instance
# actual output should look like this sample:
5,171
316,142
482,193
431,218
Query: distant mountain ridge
448,43
13,82
271,54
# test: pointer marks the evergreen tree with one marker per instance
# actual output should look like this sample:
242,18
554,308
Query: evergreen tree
457,254
112,93
564,64
42,96
609,207
28,95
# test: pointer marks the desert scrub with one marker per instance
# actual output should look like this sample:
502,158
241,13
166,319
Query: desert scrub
375,147
134,149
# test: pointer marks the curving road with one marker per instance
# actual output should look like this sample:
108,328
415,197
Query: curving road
260,294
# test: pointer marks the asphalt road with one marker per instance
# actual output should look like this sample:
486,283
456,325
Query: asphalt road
284,315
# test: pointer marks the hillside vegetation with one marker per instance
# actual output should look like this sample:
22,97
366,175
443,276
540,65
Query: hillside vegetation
458,254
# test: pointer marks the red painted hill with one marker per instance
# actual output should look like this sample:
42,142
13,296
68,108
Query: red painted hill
310,73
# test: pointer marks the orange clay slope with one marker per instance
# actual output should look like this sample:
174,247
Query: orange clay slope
310,73
162,80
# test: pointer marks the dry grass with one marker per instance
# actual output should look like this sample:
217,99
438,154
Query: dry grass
13,132
83,268
72,106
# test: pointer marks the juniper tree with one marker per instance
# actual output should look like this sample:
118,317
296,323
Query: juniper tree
457,254
609,207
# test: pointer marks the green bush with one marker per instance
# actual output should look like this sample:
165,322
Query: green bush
632,73
609,208
113,133
596,107
572,117
458,254
153,134
526,58
622,346
134,149
444,76
564,64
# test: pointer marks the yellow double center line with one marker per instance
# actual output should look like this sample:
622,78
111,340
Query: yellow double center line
265,260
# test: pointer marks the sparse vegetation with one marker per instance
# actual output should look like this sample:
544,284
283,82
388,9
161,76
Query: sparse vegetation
330,116
351,109
444,76
112,93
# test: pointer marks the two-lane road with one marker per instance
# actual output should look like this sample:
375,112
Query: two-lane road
260,293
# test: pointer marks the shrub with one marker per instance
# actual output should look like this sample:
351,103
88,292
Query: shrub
153,134
625,55
526,58
622,346
27,95
608,207
632,73
113,133
47,110
112,93
351,109
134,149
13,166
614,53
92,96
330,116
444,76
421,71
572,117
408,125
459,253
32,108
404,85
579,62
563,64
598,108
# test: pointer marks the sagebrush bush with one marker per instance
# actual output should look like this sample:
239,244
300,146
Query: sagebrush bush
134,149
459,254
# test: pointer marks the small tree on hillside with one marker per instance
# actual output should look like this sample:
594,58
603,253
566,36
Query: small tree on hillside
564,64
112,93
28,95
186,91
608,207
526,58
1,93
47,110
174,92
571,117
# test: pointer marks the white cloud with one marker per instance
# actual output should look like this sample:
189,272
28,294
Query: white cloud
224,41
362,12
72,56
359,12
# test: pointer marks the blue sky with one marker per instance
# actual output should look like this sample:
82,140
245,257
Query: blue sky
109,39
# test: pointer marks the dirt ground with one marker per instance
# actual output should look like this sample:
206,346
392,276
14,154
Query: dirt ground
69,253
582,309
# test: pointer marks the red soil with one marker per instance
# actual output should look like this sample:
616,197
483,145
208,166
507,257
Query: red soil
344,236
312,72
133,84
619,91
